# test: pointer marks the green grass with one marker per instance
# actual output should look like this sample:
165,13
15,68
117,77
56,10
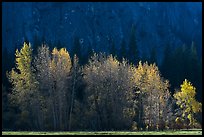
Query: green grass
170,132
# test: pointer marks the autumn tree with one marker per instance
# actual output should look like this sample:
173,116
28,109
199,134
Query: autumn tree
185,99
53,74
152,95
107,91
25,85
42,63
60,70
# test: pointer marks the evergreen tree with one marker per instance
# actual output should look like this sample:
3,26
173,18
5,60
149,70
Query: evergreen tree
133,53
153,58
76,49
176,69
122,51
194,70
59,44
5,59
90,52
183,58
36,44
112,49
167,63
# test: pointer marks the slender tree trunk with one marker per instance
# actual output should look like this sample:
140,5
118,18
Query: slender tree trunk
150,113
54,119
72,97
141,125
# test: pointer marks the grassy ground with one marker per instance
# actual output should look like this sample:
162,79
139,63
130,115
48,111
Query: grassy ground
192,132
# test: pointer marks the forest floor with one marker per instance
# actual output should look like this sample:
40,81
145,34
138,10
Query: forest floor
168,132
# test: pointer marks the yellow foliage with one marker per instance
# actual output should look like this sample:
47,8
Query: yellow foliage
61,61
23,80
186,100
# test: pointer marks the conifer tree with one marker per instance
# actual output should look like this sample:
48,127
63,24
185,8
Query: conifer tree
76,49
153,58
112,47
122,51
133,53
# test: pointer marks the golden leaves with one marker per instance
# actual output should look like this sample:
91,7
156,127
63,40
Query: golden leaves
186,100
61,61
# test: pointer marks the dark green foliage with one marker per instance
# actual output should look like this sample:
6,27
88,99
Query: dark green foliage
180,64
122,51
153,56
8,111
36,43
133,53
76,49
112,49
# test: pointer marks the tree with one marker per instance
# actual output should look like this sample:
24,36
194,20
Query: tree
5,58
152,95
122,51
133,53
53,73
185,99
60,67
153,58
36,44
89,53
195,70
8,112
107,93
112,49
24,84
43,75
167,65
172,69
5,120
76,49
76,79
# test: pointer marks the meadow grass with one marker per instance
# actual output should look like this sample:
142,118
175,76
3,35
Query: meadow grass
169,132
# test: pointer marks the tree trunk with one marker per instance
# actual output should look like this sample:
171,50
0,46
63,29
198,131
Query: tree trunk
72,97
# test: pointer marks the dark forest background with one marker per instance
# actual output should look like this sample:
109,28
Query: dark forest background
173,31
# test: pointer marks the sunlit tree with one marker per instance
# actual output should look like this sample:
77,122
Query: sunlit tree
152,95
60,67
185,99
24,84
107,91
43,75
